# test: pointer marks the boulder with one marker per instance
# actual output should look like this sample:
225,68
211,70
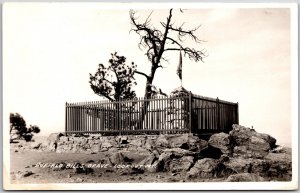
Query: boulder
68,148
208,167
82,141
162,141
64,138
118,158
274,165
243,136
260,144
203,168
95,141
157,166
149,160
181,164
60,143
245,177
106,144
259,166
247,165
183,141
269,139
162,164
95,148
137,156
137,142
239,165
75,148
280,165
279,158
187,141
245,152
61,149
240,151
149,144
174,155
221,141
86,146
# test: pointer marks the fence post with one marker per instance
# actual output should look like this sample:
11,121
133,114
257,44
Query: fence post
119,118
190,112
66,116
237,112
218,114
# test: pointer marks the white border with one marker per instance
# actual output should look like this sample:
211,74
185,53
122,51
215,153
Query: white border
183,186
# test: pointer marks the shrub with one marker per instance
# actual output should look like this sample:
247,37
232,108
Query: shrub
18,129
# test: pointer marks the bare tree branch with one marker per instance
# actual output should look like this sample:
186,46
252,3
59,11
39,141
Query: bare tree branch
156,43
141,73
192,53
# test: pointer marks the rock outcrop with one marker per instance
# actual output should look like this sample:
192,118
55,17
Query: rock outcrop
203,168
221,141
249,143
208,168
241,155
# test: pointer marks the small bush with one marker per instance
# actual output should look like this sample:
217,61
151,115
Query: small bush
18,129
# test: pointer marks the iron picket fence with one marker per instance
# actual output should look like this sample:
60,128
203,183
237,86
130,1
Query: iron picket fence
180,114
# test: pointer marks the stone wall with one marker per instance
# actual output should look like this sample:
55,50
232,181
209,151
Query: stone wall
241,155
75,143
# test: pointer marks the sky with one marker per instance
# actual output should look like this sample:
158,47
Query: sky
49,49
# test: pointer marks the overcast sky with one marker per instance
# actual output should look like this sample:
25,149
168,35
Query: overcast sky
50,49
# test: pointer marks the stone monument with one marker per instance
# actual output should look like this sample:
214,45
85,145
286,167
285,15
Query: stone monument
177,110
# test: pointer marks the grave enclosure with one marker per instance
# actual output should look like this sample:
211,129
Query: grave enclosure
181,112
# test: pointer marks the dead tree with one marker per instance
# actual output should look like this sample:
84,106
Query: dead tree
157,41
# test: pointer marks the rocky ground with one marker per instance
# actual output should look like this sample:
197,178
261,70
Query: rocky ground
241,155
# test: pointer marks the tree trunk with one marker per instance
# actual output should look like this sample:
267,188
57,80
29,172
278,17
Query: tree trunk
147,95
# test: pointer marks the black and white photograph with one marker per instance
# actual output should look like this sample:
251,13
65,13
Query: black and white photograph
150,96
